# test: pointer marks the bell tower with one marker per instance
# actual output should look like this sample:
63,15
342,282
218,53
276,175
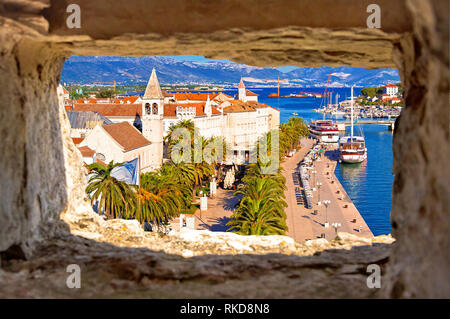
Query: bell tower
242,93
152,119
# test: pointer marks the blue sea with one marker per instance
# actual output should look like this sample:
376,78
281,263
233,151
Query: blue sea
368,184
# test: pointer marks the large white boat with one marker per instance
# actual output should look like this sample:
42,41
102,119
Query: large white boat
324,130
352,149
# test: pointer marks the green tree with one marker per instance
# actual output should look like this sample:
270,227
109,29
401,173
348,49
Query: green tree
372,91
161,197
197,168
291,133
115,197
261,209
173,142
105,93
254,170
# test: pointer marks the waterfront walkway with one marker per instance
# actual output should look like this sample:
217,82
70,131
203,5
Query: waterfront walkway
304,223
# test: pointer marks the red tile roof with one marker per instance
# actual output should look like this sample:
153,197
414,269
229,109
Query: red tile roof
86,151
90,100
108,110
166,94
126,135
249,106
224,95
77,140
126,99
101,162
390,85
250,93
194,96
238,106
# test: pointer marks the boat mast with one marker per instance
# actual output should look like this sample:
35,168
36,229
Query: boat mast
325,96
351,104
278,86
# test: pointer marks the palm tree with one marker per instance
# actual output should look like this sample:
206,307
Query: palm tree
261,209
113,196
173,142
183,173
290,134
254,170
162,196
256,217
260,187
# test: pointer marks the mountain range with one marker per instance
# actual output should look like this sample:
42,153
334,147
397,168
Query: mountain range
136,70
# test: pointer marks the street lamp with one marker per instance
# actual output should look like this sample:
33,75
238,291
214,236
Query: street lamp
318,185
336,226
314,172
326,203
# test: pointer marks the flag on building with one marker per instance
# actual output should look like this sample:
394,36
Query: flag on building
128,172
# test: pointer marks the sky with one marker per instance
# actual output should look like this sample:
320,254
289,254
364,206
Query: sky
199,58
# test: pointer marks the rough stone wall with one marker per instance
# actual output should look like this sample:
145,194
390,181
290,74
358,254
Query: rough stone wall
35,138
41,176
420,202
104,19
32,174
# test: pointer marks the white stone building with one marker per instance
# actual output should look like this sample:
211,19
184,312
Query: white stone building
390,89
245,123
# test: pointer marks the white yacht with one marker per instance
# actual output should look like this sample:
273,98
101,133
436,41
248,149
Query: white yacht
325,131
352,149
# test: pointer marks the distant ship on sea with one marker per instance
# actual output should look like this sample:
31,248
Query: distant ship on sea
276,94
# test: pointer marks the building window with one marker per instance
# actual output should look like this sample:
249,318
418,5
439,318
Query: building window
147,108
155,108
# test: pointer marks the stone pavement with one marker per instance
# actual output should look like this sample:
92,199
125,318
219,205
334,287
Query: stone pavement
304,223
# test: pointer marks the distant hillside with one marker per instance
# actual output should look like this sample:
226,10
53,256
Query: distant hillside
133,70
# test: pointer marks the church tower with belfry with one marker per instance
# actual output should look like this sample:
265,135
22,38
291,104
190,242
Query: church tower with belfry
242,92
152,119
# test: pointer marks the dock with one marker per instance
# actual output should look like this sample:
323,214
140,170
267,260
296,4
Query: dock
390,123
309,223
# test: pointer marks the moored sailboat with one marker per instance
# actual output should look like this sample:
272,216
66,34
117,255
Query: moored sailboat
352,149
